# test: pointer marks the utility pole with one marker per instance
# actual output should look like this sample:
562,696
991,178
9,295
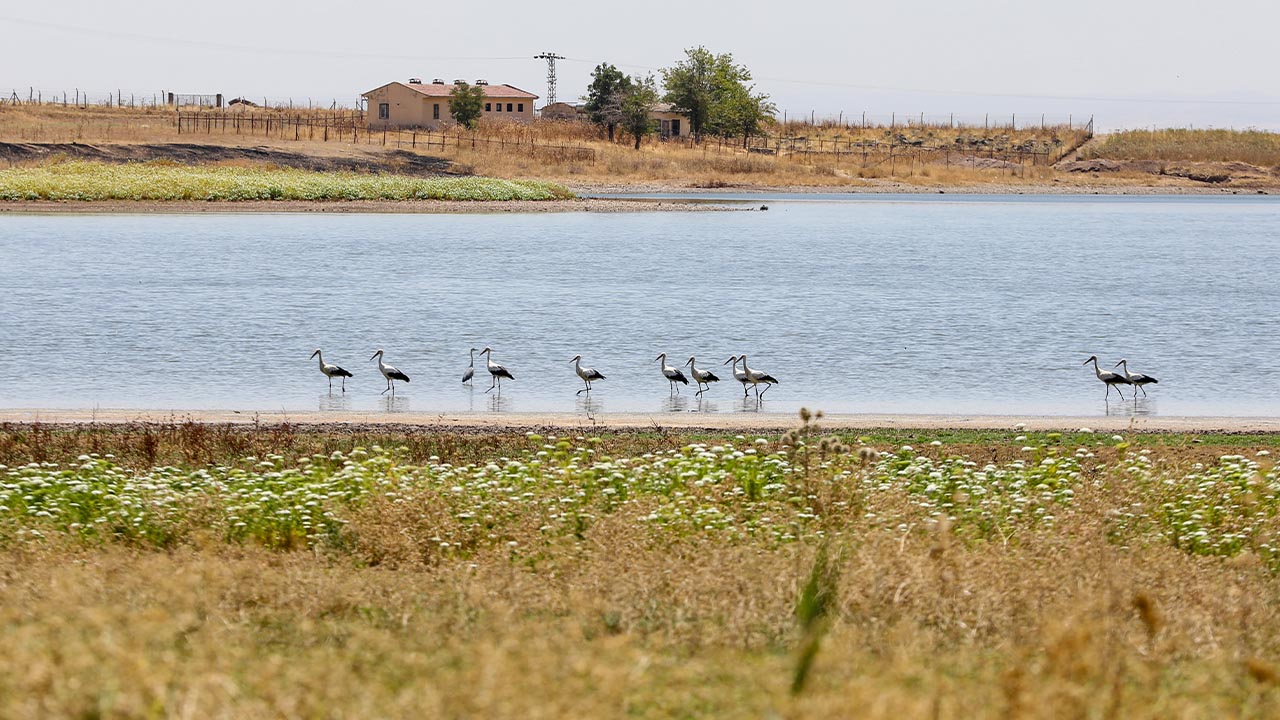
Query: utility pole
551,59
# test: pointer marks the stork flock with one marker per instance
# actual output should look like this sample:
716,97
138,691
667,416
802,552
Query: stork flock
1115,379
675,377
750,378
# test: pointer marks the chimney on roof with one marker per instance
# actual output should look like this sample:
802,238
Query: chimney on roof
482,81
415,81
437,81
459,82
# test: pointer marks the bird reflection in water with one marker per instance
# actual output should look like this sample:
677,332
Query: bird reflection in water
675,403
589,406
395,403
749,404
497,403
335,402
705,406
1132,408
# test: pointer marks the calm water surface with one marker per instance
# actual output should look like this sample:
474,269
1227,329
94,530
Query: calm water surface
938,304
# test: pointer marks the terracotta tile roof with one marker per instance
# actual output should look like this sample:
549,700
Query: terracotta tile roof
490,91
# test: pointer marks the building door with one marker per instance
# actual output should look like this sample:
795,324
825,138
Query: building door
675,128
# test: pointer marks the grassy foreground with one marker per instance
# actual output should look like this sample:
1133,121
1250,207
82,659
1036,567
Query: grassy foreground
169,181
199,571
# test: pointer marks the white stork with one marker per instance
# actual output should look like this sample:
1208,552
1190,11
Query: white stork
739,375
331,371
497,371
388,372
587,374
1109,378
470,372
757,377
672,375
702,377
1136,379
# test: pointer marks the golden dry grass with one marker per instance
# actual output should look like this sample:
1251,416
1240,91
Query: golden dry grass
808,159
1256,147
623,619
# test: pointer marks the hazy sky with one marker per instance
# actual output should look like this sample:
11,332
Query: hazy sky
1131,63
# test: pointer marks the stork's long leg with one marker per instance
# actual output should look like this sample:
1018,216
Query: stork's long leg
344,384
766,388
492,384
1144,390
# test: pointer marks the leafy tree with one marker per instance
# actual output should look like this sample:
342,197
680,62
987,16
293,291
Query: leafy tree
637,106
712,90
465,104
738,112
604,96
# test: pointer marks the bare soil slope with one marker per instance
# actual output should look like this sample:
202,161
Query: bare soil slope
373,160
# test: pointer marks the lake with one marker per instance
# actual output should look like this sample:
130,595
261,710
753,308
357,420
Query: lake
865,303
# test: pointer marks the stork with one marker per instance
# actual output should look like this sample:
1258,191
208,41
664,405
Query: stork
587,374
1108,377
497,371
1136,379
331,371
470,372
702,377
757,377
672,375
738,375
388,372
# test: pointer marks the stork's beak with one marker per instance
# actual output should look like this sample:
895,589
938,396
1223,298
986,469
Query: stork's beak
726,362
658,358
373,356
1118,364
1086,362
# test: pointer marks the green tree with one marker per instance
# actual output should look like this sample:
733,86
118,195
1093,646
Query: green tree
637,106
738,112
465,104
712,91
604,96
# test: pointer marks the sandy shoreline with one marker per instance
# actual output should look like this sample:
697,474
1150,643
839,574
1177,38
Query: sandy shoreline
739,422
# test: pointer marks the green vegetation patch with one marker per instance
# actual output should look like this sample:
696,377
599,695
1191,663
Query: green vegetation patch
89,181
740,491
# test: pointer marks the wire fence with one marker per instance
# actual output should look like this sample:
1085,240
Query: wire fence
140,99
999,147
987,121
352,127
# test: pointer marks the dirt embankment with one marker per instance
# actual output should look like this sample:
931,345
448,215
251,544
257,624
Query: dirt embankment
1225,174
366,161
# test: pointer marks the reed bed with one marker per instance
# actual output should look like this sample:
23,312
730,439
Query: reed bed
161,181
642,575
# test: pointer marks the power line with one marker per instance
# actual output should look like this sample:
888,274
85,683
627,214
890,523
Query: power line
975,93
551,59
264,50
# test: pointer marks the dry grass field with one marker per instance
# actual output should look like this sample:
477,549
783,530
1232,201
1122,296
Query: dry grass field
794,154
187,570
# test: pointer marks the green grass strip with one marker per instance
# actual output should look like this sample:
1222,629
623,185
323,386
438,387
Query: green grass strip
89,181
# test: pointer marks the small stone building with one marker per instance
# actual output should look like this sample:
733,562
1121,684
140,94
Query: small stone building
668,122
416,104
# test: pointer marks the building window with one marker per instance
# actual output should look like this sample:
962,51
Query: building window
508,107
384,111
521,107
499,107
435,112
487,108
